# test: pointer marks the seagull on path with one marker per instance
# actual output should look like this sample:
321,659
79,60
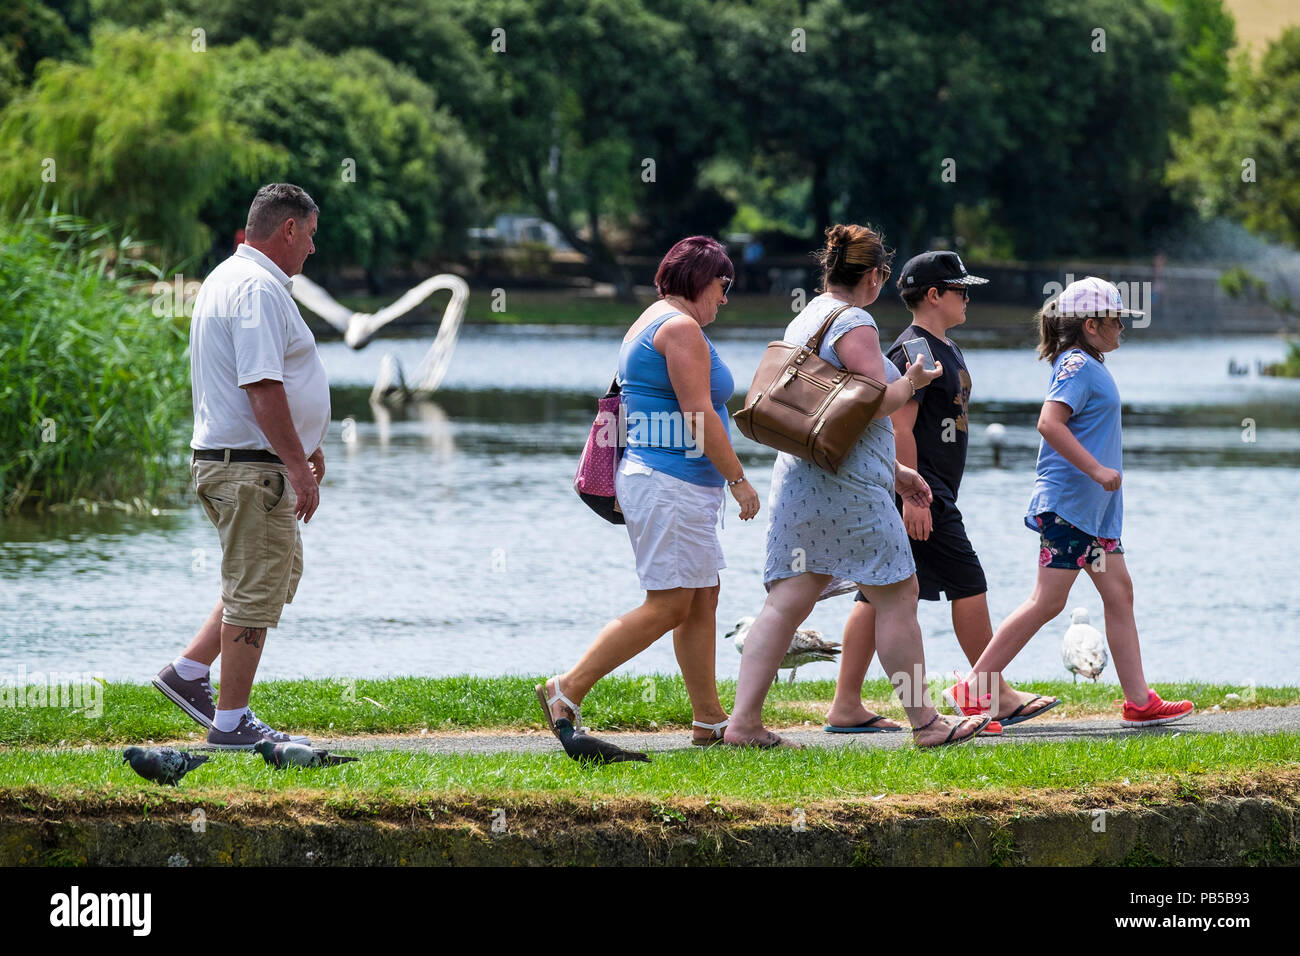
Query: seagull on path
1083,651
806,647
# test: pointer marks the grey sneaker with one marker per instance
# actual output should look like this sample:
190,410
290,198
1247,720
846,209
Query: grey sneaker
192,696
248,733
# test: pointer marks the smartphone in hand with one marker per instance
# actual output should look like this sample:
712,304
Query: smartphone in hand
919,347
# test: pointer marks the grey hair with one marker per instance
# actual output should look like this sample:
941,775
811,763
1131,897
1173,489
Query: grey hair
273,204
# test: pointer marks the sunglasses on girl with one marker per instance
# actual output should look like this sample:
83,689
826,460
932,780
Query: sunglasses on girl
726,284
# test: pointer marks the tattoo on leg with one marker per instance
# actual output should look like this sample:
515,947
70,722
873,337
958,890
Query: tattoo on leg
251,635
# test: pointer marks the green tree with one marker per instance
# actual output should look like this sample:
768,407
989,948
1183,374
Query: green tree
423,35
599,114
31,31
395,176
1239,157
134,136
1204,35
898,117
1083,120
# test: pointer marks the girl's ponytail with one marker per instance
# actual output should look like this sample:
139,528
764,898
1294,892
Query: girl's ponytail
1058,333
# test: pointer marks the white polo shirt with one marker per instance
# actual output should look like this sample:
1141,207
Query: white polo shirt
246,328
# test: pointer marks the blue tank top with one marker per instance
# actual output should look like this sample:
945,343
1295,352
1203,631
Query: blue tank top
657,435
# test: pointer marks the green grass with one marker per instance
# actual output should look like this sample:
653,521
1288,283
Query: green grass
135,712
94,388
848,773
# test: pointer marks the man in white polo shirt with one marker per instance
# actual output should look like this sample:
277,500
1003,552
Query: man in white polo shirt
261,410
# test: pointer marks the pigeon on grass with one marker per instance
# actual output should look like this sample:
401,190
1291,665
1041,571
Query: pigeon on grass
284,755
587,749
162,764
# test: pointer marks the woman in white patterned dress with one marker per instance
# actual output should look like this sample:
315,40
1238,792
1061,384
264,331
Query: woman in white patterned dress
830,531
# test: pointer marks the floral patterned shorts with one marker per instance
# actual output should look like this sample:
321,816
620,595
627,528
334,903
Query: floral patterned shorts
1065,546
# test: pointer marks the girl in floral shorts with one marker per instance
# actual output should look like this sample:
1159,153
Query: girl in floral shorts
1077,506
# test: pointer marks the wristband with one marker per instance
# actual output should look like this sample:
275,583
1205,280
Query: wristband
737,481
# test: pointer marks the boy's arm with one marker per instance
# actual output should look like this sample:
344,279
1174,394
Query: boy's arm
1052,425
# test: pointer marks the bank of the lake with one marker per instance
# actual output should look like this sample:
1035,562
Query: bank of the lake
412,809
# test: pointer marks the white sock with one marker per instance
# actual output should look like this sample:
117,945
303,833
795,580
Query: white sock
187,669
227,720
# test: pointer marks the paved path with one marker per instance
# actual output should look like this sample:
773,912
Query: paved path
1265,720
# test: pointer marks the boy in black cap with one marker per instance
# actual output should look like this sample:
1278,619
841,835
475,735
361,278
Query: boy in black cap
930,434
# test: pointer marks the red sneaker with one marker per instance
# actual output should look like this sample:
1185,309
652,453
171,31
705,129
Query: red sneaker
1156,712
964,705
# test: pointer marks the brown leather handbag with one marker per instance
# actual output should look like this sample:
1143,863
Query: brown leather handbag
805,406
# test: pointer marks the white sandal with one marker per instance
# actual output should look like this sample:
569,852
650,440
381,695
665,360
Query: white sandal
717,729
559,697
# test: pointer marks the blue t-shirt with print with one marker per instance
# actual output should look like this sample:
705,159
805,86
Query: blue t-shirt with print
1083,383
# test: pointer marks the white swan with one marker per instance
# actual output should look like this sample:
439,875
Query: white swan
1083,651
359,328
806,647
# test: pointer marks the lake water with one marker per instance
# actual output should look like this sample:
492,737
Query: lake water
449,540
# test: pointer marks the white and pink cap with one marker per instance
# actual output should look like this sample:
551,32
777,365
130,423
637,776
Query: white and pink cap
1092,297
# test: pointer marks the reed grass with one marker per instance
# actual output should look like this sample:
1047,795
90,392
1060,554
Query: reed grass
94,387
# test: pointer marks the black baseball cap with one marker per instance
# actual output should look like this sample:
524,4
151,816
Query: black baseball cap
935,268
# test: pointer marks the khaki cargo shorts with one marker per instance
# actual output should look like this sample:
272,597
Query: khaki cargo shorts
252,505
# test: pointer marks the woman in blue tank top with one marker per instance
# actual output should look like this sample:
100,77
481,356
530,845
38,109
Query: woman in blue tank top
670,486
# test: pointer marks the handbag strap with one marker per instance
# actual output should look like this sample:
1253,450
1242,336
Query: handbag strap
814,344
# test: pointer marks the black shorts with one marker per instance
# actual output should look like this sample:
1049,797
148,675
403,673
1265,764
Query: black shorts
946,561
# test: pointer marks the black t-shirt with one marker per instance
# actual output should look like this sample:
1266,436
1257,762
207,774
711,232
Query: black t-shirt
941,421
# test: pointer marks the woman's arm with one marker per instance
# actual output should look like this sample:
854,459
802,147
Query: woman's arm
687,355
859,350
1052,425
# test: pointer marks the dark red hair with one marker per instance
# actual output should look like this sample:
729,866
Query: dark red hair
691,265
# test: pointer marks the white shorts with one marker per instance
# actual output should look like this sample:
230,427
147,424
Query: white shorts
673,525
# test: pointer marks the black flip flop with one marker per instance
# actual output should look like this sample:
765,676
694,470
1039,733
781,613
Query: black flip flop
866,727
949,742
1014,718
